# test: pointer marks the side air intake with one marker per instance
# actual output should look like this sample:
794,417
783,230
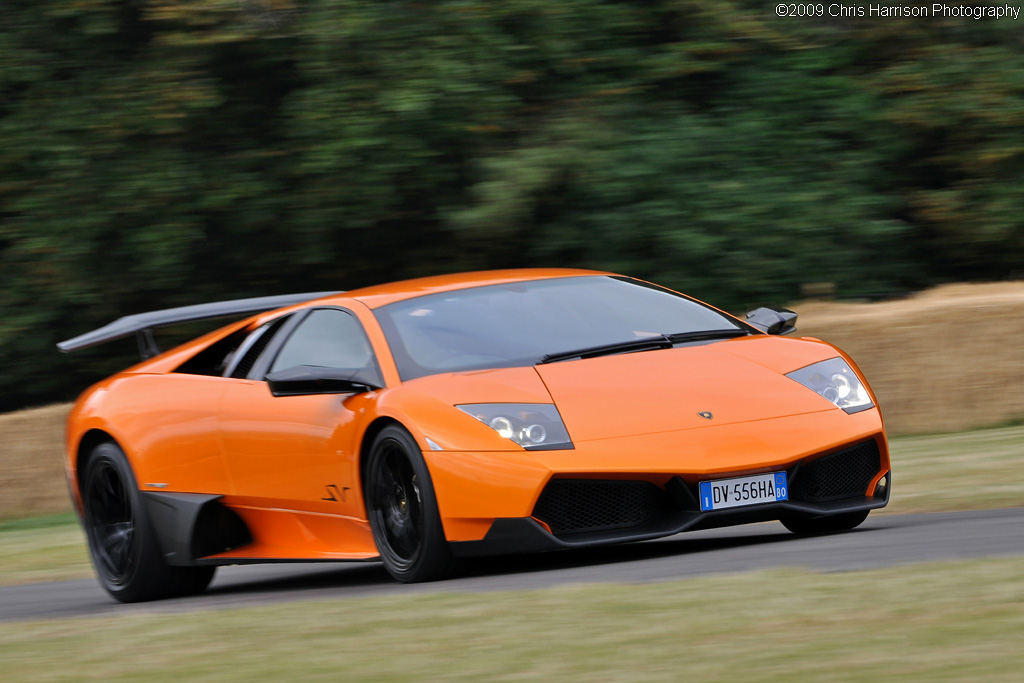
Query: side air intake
190,526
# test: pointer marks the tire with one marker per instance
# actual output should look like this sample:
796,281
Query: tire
123,547
402,509
823,525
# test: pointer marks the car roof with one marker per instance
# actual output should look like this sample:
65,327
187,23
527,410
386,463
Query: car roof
382,295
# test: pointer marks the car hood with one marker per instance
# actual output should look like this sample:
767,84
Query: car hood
692,387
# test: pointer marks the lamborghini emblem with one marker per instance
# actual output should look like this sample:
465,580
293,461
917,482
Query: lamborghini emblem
706,414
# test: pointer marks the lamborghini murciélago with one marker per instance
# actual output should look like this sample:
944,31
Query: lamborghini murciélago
436,419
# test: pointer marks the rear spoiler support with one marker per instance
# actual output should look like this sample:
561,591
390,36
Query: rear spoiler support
148,348
142,324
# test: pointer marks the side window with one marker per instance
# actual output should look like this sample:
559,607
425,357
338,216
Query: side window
328,338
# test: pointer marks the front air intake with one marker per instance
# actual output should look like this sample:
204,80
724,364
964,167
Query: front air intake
845,474
580,505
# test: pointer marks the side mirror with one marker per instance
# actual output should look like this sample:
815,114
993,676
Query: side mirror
306,380
772,320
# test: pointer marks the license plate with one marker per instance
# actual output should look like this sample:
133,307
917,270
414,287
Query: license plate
732,493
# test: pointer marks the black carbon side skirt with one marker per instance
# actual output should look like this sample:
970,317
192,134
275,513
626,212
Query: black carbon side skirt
190,526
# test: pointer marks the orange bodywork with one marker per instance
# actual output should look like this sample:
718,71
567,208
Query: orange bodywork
290,466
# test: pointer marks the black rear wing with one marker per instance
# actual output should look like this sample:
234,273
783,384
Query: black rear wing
142,324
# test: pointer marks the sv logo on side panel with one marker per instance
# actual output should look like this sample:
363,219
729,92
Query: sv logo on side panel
335,494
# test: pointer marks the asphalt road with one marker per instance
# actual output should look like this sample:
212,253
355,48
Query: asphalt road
882,541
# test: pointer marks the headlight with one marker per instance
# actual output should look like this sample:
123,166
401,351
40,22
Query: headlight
835,380
534,426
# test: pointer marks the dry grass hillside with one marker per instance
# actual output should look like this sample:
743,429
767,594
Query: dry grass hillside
947,359
32,471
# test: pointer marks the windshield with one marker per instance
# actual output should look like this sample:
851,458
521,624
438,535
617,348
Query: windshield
522,323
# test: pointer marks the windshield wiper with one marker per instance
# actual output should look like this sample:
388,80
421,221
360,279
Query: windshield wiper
662,341
645,344
705,335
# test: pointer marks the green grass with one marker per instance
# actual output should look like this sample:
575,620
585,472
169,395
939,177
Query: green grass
48,548
963,471
36,523
937,622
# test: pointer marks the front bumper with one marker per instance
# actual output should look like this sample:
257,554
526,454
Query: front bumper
528,534
497,502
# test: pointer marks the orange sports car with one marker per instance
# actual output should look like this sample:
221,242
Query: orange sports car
430,420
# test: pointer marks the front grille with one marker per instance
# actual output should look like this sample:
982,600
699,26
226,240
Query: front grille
845,474
575,505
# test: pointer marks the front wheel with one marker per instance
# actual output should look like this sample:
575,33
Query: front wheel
123,547
402,509
822,525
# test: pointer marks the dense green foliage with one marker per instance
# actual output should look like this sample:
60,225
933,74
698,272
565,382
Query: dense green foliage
163,152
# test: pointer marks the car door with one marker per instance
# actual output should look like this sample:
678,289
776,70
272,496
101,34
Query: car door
300,452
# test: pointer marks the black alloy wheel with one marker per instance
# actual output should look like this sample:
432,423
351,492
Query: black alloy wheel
110,522
403,511
123,547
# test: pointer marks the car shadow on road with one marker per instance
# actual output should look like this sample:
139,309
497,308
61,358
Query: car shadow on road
676,546
370,578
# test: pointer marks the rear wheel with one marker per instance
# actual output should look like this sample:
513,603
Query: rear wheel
821,525
123,547
402,509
